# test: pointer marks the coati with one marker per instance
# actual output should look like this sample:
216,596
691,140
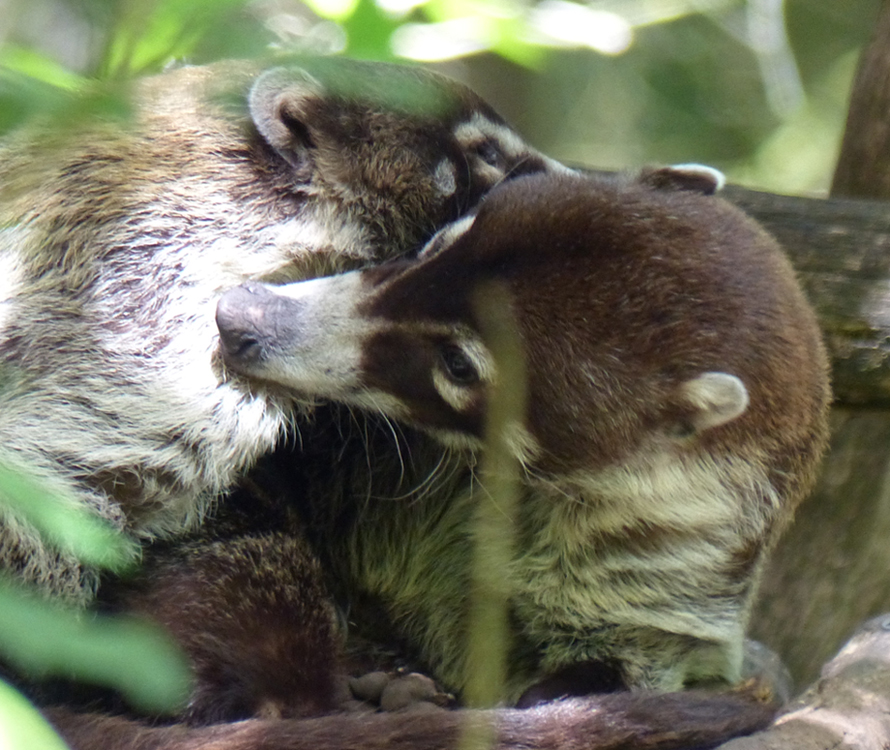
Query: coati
117,238
640,285
677,412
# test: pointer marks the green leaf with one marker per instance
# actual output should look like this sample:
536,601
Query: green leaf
38,66
368,31
63,522
24,97
149,34
22,726
133,656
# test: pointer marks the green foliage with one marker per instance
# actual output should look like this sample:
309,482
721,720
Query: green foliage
756,89
42,639
625,82
22,726
62,522
134,657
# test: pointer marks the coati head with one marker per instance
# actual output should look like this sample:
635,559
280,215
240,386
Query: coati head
403,148
651,316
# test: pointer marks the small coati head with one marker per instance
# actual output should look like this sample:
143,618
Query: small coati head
651,316
405,147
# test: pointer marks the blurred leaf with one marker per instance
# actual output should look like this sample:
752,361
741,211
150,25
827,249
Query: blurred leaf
63,522
39,67
392,88
148,34
130,655
24,97
335,10
22,726
368,32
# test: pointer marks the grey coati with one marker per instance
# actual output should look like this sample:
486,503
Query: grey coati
677,413
117,238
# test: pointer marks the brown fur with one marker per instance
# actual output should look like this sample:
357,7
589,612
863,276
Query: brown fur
407,554
678,396
116,238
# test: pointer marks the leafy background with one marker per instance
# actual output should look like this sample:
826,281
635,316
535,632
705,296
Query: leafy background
757,88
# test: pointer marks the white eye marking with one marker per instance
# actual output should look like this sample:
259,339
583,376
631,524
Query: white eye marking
458,395
447,236
444,178
479,129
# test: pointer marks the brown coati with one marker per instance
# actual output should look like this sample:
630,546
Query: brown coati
677,413
641,536
117,238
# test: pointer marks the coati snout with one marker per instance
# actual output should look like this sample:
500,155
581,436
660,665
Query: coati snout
676,415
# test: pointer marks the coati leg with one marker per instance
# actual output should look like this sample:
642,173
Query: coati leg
253,615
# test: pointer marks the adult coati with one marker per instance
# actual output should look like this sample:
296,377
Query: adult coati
681,421
117,238
677,412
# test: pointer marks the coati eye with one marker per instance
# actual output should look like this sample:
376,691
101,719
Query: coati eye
489,153
458,366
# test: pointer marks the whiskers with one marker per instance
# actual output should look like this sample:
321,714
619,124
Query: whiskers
402,464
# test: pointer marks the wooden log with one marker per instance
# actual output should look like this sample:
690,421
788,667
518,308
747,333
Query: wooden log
833,567
841,250
847,707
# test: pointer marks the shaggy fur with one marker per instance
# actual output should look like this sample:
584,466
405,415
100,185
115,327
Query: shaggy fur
635,567
117,238
678,393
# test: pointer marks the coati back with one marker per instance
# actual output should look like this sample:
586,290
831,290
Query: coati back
117,238
677,413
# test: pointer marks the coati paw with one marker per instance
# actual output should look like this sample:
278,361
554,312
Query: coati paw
399,691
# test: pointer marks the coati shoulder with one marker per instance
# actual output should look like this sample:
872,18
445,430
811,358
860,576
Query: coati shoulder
117,238
676,415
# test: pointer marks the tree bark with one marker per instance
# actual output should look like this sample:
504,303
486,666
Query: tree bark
832,569
847,707
841,250
863,169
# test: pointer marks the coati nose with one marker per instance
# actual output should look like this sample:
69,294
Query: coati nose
240,315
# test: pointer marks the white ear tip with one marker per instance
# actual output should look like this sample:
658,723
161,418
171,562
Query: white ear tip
703,170
718,398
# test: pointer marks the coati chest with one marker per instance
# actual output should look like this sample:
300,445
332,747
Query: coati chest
117,239
676,415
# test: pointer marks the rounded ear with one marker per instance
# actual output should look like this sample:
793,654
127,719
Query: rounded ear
696,178
281,103
714,398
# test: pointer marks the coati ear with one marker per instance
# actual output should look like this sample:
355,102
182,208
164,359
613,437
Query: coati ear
696,178
448,235
715,398
281,103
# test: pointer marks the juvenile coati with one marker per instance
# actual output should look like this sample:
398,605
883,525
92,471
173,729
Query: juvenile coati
677,413
117,238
